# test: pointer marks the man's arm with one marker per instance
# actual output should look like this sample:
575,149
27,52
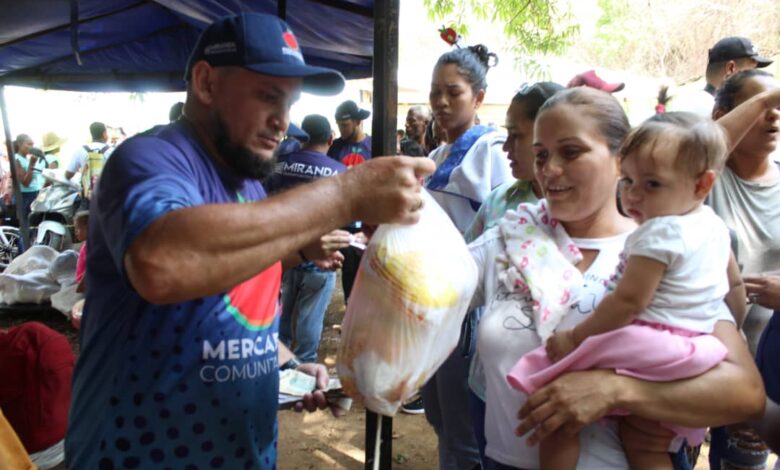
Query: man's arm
203,250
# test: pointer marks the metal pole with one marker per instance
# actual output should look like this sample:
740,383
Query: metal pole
21,215
385,105
281,9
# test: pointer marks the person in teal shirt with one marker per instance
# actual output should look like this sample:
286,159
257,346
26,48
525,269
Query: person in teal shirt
28,170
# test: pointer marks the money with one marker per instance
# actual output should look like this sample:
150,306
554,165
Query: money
297,384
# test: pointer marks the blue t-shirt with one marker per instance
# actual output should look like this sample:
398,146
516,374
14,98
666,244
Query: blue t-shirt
299,167
180,385
350,153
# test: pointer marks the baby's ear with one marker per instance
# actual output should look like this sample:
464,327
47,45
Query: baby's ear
704,183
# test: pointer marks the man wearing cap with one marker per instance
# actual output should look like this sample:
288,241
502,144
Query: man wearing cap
727,57
179,352
293,141
306,289
353,147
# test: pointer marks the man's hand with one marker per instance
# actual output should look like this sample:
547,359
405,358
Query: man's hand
324,253
332,263
386,189
316,400
764,289
560,344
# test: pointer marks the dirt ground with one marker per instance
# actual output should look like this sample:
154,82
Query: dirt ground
316,440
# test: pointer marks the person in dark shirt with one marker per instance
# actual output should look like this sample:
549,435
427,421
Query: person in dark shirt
353,147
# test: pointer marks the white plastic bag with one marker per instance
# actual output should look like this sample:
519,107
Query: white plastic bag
27,278
405,312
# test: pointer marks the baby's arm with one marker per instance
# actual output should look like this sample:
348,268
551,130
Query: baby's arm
634,291
735,299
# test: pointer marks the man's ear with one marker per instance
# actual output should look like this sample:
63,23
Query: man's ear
731,68
704,183
202,80
330,139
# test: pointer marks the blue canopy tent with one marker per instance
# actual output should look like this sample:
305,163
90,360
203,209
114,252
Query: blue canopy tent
143,45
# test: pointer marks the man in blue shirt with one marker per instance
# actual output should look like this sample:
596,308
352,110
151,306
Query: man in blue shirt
179,353
306,289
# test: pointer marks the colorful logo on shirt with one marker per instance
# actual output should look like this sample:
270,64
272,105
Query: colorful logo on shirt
254,303
353,159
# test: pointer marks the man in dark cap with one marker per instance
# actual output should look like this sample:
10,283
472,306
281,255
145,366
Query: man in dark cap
353,147
727,57
179,363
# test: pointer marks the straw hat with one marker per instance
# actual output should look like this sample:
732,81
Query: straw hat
52,141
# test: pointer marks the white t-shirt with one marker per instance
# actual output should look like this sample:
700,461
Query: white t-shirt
698,102
506,332
484,167
695,248
79,158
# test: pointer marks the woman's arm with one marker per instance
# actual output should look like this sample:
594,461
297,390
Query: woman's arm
25,176
768,427
730,392
741,119
735,298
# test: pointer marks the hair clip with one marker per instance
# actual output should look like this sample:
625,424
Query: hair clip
450,36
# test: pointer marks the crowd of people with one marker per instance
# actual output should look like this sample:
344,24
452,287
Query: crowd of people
628,278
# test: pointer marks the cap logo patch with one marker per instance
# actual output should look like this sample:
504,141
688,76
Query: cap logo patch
290,40
220,48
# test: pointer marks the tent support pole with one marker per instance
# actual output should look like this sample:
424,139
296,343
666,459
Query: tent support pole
281,9
385,113
24,223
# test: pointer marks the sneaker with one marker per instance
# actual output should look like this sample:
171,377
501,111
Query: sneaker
414,406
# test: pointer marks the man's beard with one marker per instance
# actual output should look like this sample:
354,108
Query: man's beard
239,158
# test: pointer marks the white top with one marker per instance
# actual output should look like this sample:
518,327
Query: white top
697,102
79,158
506,332
695,248
484,167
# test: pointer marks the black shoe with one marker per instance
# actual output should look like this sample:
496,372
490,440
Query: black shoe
414,406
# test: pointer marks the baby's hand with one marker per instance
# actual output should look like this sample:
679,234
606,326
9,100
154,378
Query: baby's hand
560,344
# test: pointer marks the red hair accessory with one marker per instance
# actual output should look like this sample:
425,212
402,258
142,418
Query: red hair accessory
449,35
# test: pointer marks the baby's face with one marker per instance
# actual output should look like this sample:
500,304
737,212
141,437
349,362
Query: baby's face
81,232
653,186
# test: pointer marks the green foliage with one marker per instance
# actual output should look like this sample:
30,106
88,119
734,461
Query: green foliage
533,26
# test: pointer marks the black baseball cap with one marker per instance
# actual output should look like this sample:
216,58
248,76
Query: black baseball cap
264,44
349,110
735,47
317,126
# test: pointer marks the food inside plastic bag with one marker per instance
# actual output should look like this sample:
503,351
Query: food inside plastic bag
404,315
